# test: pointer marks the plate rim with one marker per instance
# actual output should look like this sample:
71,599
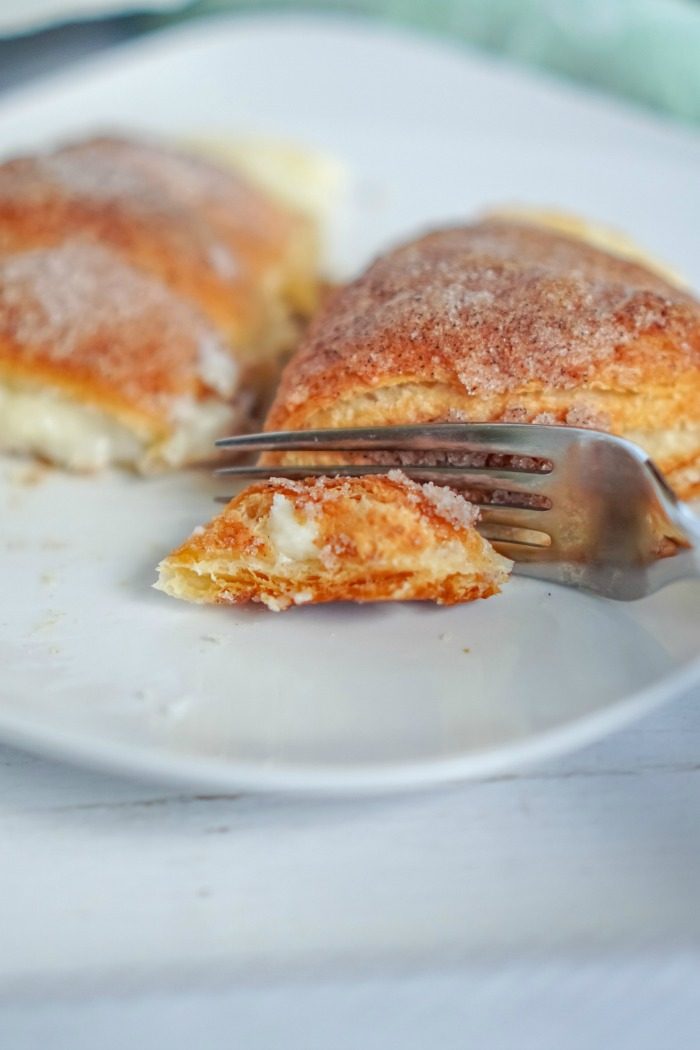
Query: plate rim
336,781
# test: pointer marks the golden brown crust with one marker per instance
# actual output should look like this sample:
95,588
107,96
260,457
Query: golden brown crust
76,319
501,320
205,232
377,538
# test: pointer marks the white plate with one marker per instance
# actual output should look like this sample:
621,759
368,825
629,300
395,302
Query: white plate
98,667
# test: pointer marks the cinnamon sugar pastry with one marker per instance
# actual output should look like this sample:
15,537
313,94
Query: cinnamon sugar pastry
101,363
505,321
366,539
244,260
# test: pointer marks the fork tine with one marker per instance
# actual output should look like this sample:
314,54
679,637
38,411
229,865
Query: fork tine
501,516
486,479
505,496
516,538
498,438
524,553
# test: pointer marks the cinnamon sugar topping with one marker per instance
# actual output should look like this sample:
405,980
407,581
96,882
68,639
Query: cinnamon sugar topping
444,501
77,307
436,499
490,308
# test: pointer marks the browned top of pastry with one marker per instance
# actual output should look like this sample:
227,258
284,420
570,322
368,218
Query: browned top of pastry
80,319
203,230
490,308
328,501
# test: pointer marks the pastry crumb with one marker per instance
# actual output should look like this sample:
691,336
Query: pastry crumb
53,617
31,474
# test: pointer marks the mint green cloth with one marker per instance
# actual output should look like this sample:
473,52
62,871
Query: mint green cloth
646,50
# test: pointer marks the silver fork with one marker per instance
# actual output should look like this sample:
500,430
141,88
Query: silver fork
570,506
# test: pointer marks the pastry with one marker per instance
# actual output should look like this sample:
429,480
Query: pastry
247,262
504,320
366,539
102,364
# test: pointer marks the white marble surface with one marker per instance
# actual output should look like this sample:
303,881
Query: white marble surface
558,908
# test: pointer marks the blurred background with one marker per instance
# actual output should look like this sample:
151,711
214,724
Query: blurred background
647,51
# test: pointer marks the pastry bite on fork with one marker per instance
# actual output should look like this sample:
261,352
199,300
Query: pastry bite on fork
568,505
362,539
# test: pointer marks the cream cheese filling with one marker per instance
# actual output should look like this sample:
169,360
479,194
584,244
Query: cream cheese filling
196,425
59,429
47,423
292,539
